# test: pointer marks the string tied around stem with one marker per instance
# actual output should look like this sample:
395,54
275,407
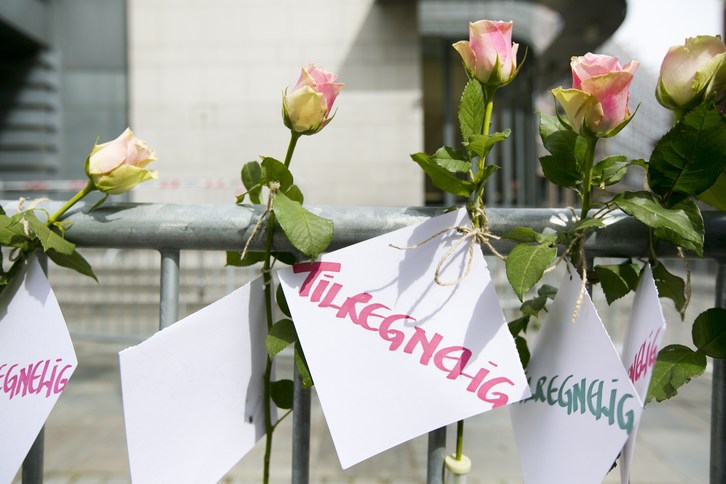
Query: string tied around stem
474,236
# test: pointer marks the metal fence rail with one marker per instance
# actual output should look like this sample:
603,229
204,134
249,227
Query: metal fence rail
171,229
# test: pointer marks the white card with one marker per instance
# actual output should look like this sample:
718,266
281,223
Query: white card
646,327
193,392
583,406
393,354
36,361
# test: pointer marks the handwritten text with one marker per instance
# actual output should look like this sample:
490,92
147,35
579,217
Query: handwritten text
44,377
360,309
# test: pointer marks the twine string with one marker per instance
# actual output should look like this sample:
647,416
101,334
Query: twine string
472,235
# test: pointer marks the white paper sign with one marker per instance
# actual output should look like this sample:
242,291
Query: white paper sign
193,393
393,354
583,406
36,361
646,327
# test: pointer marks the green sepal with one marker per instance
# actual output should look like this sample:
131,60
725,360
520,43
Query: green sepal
281,392
675,366
709,332
307,232
526,264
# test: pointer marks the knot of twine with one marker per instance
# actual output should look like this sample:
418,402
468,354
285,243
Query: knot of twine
474,236
274,187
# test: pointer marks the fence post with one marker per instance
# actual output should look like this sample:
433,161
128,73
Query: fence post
436,455
300,431
718,396
169,290
32,469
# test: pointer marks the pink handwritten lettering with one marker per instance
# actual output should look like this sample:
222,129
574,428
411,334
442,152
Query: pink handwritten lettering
393,328
34,378
645,357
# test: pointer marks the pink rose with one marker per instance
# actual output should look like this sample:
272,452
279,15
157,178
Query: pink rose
117,166
489,56
597,104
306,109
689,71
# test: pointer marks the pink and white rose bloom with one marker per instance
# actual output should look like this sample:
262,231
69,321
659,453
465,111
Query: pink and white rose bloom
597,104
306,109
689,72
489,55
117,166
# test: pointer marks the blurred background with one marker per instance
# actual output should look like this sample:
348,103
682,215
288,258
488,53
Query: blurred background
202,82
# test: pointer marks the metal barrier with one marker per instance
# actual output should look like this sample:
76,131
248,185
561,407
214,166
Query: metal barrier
171,229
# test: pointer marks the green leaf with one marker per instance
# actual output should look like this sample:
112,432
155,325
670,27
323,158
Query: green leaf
716,194
532,307
681,225
451,160
587,223
565,166
73,261
617,280
675,366
281,335
282,302
12,234
234,258
526,264
692,155
523,350
281,393
285,257
519,325
442,178
251,174
47,238
471,109
670,286
482,144
275,171
709,332
307,232
610,171
294,193
523,234
301,365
